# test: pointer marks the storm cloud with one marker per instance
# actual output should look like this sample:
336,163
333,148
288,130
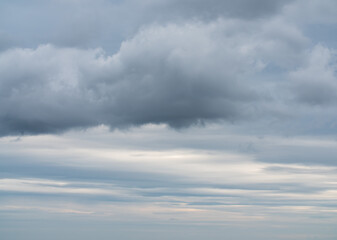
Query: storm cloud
175,62
175,74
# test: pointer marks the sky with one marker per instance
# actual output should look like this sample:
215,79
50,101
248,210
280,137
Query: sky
168,119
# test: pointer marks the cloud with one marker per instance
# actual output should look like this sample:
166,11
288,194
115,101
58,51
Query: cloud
179,75
315,83
80,169
184,73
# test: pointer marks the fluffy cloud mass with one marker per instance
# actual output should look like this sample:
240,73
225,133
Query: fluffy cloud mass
175,74
185,63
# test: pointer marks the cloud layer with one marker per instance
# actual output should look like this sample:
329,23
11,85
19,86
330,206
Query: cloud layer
175,74
163,181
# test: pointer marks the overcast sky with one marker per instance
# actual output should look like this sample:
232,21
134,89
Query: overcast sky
168,119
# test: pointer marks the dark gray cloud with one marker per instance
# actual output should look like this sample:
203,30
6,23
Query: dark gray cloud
50,89
179,75
178,69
